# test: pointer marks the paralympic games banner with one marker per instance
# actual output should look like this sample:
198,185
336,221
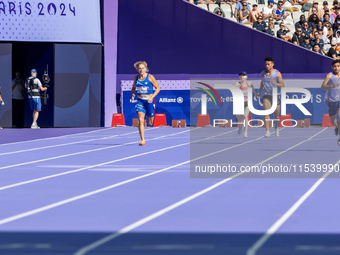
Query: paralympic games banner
51,21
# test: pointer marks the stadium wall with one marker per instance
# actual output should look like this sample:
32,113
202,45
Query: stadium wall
176,39
110,17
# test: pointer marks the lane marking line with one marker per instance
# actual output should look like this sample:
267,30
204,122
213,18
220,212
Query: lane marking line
64,144
44,208
81,152
132,226
56,137
92,166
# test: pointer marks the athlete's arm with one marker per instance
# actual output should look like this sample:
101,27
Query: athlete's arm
155,84
324,85
260,90
133,90
253,89
280,82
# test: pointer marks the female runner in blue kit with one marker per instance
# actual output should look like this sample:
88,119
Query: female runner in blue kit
144,83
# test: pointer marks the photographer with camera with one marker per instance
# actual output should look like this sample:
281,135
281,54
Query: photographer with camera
34,87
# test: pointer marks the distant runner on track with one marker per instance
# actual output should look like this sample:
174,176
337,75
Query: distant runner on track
271,78
243,84
144,83
332,97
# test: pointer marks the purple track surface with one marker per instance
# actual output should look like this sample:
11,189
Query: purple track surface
77,186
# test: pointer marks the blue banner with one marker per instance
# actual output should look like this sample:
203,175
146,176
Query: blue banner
51,21
316,106
174,103
181,104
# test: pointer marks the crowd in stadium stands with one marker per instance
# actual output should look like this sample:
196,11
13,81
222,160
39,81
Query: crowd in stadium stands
319,32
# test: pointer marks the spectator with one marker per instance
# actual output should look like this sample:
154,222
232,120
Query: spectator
191,1
238,7
327,17
328,31
267,11
205,2
297,37
325,6
311,11
306,31
332,52
230,2
306,43
326,41
315,10
18,101
335,4
337,48
280,14
313,21
336,16
337,37
270,20
219,12
282,33
319,41
254,13
299,24
260,25
270,29
316,48
319,28
305,5
244,14
288,5
336,28
219,2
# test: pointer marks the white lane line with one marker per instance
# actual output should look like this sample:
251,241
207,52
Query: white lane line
41,209
272,230
151,217
101,164
81,152
56,137
64,144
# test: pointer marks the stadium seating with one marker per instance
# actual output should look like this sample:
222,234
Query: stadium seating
260,6
227,14
225,7
296,19
290,21
212,7
203,6
296,15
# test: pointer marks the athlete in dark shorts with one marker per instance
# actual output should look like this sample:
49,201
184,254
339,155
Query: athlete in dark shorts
271,78
332,97
144,84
